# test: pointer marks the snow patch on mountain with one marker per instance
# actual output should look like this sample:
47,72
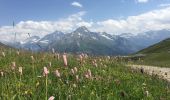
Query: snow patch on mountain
106,37
94,38
45,41
127,35
33,39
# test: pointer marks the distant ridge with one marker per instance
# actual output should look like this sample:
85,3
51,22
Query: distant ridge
163,46
4,46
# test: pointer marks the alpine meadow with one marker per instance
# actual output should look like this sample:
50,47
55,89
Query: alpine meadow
85,50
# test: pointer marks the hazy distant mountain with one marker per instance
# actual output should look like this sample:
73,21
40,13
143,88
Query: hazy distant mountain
146,39
51,37
30,43
36,43
98,43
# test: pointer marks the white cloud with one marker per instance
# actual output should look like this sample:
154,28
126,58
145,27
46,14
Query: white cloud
152,20
142,1
43,27
76,4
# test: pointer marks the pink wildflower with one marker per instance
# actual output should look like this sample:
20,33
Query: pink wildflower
53,51
17,52
20,70
3,54
88,74
2,73
51,98
95,64
77,77
147,93
81,58
75,69
32,58
49,64
13,65
65,59
57,73
45,73
72,71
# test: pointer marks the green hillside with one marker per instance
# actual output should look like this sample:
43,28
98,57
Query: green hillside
163,46
157,55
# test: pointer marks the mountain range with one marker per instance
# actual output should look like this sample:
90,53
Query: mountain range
96,43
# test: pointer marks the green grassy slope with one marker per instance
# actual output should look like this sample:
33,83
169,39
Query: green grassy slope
163,46
110,79
157,55
156,59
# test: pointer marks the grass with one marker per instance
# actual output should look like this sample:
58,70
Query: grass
156,59
156,55
110,79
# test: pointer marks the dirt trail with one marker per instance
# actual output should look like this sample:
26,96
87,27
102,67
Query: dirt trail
163,73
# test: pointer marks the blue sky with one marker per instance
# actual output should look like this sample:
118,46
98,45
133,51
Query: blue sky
51,10
41,17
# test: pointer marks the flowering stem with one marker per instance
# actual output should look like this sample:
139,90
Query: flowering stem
19,85
46,83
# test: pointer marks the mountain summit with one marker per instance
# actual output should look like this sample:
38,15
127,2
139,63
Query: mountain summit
82,29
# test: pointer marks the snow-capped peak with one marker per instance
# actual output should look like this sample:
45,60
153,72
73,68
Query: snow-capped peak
32,39
107,36
82,29
126,35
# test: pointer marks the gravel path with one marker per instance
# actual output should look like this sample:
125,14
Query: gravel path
163,73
